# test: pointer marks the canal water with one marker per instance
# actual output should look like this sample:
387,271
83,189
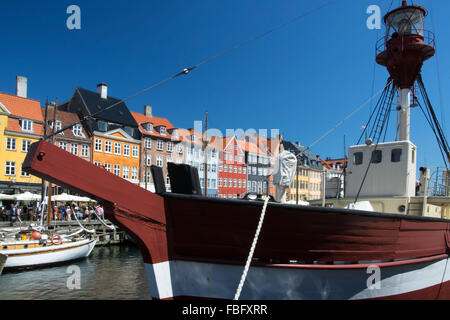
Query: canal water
110,272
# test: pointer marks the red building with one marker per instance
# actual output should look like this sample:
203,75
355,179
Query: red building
232,173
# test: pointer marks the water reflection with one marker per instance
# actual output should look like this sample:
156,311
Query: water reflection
115,272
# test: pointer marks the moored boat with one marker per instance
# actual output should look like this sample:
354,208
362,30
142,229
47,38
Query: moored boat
36,249
195,246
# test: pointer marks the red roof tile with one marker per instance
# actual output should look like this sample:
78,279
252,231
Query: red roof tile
22,107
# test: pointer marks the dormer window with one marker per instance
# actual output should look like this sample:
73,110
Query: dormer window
102,126
77,130
148,126
26,125
162,130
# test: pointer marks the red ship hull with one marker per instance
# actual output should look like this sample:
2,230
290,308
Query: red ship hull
197,247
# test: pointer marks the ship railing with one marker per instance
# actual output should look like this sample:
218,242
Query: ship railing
428,39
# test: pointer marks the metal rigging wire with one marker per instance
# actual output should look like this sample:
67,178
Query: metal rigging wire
185,71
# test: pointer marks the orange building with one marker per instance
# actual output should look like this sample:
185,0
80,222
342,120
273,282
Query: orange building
118,153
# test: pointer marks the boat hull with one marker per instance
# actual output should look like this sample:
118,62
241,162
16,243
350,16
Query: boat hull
27,258
195,246
420,279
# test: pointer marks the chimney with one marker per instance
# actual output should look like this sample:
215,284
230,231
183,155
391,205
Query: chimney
102,90
148,111
21,86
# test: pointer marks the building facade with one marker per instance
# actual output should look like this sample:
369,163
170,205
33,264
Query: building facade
232,174
258,167
160,144
197,154
116,139
21,124
308,179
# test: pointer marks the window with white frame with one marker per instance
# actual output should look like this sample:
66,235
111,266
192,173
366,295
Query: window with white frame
117,148
117,169
108,167
225,168
11,144
74,148
58,126
239,183
235,169
244,182
225,182
77,130
126,150
134,173
148,176
220,182
126,172
159,161
63,145
148,143
170,146
84,150
97,163
26,145
98,145
235,183
159,145
135,151
230,183
244,170
108,146
10,168
26,125
23,173
149,160
180,148
162,130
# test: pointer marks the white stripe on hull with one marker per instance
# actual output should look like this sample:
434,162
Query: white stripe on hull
49,255
220,281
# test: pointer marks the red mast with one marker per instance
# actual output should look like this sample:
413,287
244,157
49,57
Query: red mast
402,51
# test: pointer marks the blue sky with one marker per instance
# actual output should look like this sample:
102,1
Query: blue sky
302,79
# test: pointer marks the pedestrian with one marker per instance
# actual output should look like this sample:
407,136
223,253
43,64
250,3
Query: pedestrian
68,213
63,213
13,214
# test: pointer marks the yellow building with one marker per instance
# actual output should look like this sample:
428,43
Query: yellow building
21,124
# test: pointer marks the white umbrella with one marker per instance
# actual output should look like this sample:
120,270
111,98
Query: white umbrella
6,196
63,197
82,199
27,196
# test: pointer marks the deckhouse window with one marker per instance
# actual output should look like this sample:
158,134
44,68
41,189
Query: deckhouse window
376,156
396,155
357,158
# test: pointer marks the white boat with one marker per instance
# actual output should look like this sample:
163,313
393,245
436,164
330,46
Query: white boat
28,252
2,262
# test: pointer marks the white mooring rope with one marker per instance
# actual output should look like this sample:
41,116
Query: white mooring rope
252,250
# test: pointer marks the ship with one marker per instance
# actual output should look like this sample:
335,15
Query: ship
199,247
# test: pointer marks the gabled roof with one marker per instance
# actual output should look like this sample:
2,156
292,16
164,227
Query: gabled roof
251,147
117,114
66,118
156,121
22,107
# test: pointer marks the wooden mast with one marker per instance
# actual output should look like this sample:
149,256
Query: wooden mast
206,155
50,185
